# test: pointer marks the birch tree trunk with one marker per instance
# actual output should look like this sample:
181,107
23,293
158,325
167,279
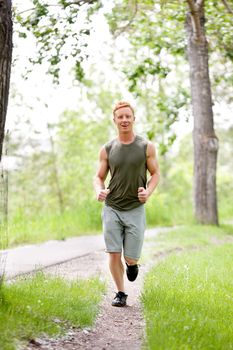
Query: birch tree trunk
204,138
5,62
59,192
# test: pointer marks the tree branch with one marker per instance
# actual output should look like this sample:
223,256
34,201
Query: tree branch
196,23
199,3
82,2
77,2
192,5
229,9
124,28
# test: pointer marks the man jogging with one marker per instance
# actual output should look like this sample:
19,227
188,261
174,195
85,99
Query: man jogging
127,157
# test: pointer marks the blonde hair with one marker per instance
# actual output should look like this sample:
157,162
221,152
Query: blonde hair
122,104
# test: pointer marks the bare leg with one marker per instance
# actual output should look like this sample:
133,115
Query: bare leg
131,269
117,270
130,261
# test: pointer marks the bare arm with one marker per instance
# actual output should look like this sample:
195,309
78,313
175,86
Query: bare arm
153,168
101,174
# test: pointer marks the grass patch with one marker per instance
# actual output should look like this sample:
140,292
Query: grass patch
190,236
27,226
187,297
83,220
45,305
23,229
162,210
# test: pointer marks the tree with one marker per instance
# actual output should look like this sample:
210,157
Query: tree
204,138
5,62
45,35
158,28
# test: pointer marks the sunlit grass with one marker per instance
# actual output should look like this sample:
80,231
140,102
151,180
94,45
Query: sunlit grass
187,296
192,236
45,305
162,210
84,220
188,301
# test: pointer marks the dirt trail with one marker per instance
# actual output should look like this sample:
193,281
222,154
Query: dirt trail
115,328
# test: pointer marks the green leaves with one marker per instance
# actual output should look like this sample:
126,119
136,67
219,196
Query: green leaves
158,72
147,67
79,72
61,31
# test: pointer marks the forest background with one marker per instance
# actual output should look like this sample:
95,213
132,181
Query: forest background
59,117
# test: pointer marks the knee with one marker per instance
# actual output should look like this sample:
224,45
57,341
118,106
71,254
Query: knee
130,261
115,257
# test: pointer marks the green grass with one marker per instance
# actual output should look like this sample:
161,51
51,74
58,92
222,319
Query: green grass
84,220
45,305
187,297
162,210
28,226
190,237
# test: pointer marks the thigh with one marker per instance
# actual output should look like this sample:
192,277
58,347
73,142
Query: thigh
135,224
113,230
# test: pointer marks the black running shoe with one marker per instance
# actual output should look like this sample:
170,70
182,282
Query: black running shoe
131,272
120,299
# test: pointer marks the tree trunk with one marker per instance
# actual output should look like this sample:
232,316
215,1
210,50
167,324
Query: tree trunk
55,171
5,62
204,138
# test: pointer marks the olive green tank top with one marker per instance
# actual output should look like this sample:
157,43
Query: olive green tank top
127,164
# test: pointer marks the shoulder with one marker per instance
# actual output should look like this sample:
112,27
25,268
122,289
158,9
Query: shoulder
103,153
142,141
150,151
109,143
107,146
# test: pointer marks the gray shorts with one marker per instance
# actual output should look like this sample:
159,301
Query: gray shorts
124,229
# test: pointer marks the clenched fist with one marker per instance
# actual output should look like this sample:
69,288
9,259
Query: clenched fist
143,194
102,194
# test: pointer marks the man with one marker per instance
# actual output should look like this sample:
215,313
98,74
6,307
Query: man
127,157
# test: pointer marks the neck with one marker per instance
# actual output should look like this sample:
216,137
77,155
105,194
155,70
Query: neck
126,138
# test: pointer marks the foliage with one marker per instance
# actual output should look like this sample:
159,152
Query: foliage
218,27
158,74
61,30
34,214
76,139
45,173
78,145
153,31
45,305
156,30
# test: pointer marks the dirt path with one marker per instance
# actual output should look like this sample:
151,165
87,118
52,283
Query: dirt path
115,328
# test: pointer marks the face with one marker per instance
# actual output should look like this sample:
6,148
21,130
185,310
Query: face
124,120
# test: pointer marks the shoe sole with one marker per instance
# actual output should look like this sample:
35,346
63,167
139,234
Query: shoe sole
119,305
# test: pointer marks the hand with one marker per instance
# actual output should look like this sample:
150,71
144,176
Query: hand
143,194
102,195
